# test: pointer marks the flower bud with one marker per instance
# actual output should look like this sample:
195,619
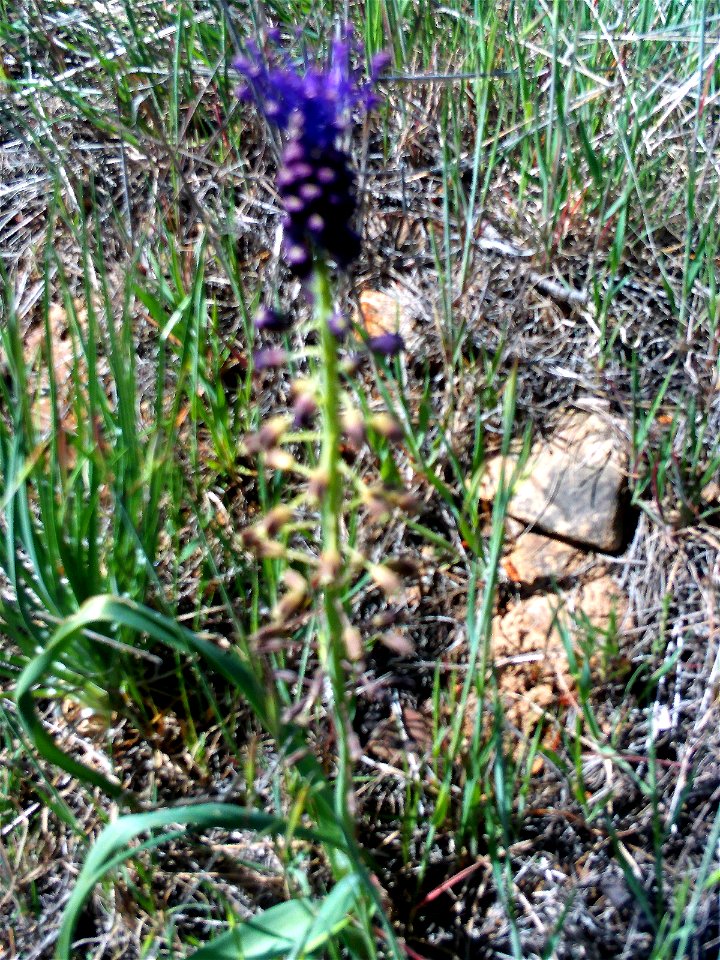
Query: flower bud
276,519
387,427
304,409
317,488
351,364
386,344
338,325
277,459
330,567
388,581
353,425
267,436
271,357
352,638
272,320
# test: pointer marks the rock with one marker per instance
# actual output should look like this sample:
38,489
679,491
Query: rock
535,557
381,312
531,624
528,650
570,486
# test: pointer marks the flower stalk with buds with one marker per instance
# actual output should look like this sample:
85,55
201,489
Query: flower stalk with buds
312,107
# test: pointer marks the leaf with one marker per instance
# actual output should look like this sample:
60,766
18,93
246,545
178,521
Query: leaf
292,930
110,609
111,847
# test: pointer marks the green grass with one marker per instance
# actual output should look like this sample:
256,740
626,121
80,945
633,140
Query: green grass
583,132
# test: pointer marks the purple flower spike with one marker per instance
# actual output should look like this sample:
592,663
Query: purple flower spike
272,320
271,357
386,344
312,105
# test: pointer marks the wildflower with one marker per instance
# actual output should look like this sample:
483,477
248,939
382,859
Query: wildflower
315,182
304,409
270,357
273,321
386,344
338,325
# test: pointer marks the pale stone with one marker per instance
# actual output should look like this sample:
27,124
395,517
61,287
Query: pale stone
536,557
382,312
531,625
570,486
528,651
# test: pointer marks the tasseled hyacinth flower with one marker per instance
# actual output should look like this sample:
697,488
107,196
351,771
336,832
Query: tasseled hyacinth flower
316,184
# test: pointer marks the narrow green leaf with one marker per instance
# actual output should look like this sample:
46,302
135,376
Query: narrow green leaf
292,930
111,847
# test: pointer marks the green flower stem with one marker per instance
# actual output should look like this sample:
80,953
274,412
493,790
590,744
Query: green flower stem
331,640
331,643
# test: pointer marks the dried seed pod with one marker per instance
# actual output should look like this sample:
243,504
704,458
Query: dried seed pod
403,566
271,550
404,500
295,599
376,502
252,538
294,580
386,618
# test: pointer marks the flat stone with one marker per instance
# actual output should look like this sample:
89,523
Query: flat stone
528,650
570,486
381,312
535,557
